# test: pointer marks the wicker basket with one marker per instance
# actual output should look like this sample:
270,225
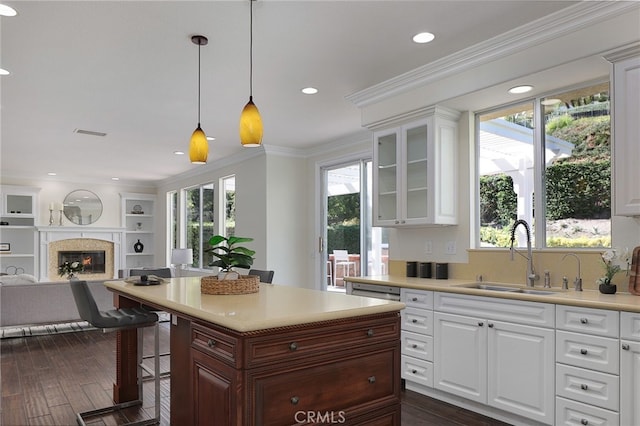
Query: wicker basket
245,284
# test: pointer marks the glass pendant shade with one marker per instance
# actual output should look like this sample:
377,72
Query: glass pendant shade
198,147
250,125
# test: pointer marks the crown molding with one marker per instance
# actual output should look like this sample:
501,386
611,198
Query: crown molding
624,52
544,29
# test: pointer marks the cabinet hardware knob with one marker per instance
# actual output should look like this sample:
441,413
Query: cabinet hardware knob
372,379
625,346
480,323
583,351
415,299
370,332
414,320
584,422
414,346
414,371
584,387
490,325
293,346
294,400
584,321
211,343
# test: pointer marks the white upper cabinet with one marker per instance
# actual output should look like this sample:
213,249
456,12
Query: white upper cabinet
625,84
415,171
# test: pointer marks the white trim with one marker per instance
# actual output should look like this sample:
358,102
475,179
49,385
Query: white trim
545,29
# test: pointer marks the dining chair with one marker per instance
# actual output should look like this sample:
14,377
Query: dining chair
116,320
265,276
341,258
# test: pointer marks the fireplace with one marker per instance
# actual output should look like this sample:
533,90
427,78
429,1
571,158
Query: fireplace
93,261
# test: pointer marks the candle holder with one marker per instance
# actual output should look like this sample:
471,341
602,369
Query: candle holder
50,217
61,212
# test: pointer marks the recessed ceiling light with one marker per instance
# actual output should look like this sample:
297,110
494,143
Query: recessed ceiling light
7,10
550,101
520,89
309,90
178,152
211,138
3,71
423,38
115,178
52,173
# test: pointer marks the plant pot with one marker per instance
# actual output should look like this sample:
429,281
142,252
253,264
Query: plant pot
608,288
228,275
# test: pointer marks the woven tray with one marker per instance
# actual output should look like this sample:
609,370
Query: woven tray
245,284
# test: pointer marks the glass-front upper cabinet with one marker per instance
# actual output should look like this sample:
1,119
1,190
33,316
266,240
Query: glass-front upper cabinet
415,172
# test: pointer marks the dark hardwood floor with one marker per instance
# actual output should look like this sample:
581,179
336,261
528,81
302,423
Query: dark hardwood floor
47,379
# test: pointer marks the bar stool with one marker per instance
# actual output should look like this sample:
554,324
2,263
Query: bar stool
114,320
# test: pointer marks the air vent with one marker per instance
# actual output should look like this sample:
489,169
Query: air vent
89,132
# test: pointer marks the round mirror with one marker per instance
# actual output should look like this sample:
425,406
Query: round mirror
82,207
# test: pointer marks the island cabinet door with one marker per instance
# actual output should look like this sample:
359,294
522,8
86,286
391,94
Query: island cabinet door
216,398
347,390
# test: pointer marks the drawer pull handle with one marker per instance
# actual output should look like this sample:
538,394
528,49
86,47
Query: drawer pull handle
293,346
625,346
414,321
490,325
584,387
370,332
584,321
414,299
414,346
372,379
584,422
414,371
211,343
480,323
583,351
294,400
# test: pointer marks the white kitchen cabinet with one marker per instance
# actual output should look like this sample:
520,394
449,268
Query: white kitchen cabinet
138,213
625,129
630,368
488,359
415,171
416,338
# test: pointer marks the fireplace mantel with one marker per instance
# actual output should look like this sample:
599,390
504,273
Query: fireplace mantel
51,234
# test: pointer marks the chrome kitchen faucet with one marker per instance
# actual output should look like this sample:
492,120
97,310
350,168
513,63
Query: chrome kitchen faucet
531,274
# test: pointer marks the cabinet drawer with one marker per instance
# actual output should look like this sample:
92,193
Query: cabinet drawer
217,345
360,379
590,387
417,370
417,298
580,350
573,413
588,320
417,320
288,345
416,345
630,326
515,311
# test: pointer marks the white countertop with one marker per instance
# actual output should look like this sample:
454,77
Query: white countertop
587,298
273,306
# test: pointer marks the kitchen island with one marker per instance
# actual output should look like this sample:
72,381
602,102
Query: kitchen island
282,356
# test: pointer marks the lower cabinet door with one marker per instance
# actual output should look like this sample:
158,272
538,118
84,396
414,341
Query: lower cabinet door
630,383
215,398
572,413
521,370
460,356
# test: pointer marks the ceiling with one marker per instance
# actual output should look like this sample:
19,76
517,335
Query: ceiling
129,69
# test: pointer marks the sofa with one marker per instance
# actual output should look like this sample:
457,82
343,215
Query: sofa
24,302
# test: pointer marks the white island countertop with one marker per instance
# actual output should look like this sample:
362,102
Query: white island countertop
273,306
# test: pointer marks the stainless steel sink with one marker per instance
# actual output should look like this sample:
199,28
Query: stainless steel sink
506,288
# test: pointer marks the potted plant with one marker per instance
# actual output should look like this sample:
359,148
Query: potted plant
609,257
230,255
70,269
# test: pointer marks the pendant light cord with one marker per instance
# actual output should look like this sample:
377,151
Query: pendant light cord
251,49
199,47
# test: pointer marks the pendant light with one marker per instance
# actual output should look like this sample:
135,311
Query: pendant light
250,121
199,146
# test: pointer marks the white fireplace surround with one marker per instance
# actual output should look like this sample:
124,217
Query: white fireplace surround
100,237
